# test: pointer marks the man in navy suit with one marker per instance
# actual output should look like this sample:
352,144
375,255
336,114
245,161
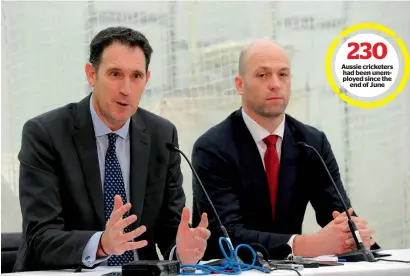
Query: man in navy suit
258,179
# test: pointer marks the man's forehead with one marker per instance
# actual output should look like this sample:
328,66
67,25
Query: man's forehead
117,51
262,51
273,66
276,54
123,57
267,61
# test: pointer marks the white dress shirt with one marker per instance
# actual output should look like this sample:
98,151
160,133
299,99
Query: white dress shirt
259,133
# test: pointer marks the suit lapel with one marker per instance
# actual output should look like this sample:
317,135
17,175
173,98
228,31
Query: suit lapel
251,163
85,144
287,172
140,153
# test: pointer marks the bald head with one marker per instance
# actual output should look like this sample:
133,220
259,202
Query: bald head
264,80
258,48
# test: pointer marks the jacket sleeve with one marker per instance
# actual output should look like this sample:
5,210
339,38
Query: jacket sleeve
173,203
49,245
216,174
325,199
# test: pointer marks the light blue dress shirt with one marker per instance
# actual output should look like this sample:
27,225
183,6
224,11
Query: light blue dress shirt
123,154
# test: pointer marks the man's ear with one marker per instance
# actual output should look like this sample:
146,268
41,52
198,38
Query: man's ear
239,84
147,76
90,73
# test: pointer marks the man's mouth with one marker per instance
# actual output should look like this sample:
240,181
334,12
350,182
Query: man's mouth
122,104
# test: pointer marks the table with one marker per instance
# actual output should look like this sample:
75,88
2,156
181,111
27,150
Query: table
380,268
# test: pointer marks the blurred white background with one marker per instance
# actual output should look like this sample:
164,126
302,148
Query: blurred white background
196,48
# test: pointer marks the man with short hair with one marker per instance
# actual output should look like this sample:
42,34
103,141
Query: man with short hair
258,179
97,184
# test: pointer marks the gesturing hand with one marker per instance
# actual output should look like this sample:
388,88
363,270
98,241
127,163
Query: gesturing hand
191,242
114,241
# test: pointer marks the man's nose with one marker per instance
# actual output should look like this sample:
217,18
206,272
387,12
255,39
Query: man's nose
126,87
274,83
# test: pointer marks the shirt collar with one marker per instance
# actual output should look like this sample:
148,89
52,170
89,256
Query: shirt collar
101,129
259,133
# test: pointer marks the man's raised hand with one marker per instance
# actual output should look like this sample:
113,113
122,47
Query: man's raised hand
191,242
114,240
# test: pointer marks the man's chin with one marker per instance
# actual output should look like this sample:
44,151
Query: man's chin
119,119
122,115
271,113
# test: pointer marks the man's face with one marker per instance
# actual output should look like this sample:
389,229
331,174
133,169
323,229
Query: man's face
118,83
265,82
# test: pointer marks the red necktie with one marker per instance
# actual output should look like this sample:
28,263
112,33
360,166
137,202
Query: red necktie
272,168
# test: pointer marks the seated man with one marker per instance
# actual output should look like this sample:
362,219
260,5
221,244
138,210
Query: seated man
259,179
92,171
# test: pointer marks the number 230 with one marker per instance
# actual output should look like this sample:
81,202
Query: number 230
368,49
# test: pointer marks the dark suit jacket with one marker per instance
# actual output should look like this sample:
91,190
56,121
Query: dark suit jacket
61,194
228,163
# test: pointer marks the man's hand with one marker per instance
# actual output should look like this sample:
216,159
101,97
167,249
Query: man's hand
362,227
330,240
334,238
191,242
114,241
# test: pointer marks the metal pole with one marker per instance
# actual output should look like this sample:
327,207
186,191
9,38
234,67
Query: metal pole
192,43
89,32
172,63
346,114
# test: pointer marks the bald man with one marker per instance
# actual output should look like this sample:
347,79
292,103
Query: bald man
258,179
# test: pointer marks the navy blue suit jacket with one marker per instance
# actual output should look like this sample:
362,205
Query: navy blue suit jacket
227,161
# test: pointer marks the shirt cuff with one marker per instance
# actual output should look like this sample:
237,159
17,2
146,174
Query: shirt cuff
89,256
290,243
172,253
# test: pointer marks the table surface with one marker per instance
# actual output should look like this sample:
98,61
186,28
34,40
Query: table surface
361,268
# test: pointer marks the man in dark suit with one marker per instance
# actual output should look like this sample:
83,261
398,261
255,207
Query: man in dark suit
91,171
258,179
